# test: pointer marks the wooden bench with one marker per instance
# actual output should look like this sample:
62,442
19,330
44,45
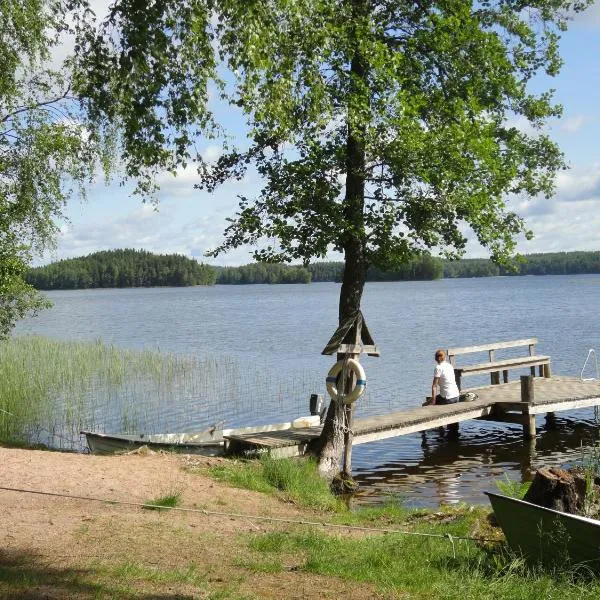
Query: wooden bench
494,366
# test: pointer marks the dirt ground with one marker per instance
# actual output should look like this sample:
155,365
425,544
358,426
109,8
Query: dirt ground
52,546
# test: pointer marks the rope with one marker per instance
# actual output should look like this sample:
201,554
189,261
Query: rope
204,511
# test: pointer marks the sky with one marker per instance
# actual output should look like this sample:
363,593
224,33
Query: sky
190,222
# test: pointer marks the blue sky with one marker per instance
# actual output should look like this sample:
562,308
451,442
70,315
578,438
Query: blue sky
189,222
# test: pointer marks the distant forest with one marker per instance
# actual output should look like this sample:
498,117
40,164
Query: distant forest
138,268
120,269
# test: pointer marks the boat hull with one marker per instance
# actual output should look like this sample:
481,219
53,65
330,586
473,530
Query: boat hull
101,443
547,536
210,442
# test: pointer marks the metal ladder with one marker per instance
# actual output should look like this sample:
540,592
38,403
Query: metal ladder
592,353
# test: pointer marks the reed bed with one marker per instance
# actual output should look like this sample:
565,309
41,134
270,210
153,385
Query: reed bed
50,390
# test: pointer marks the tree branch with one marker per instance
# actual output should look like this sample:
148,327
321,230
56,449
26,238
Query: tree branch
23,109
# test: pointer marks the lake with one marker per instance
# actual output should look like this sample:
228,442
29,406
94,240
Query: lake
272,337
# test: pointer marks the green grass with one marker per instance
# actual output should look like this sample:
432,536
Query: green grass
590,467
170,500
399,565
51,390
420,567
126,581
294,481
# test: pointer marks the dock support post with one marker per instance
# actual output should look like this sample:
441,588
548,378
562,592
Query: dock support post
527,396
551,421
457,377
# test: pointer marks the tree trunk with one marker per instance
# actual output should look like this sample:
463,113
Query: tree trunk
557,489
330,445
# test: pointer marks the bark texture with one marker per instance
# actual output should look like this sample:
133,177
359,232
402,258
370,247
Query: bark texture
557,489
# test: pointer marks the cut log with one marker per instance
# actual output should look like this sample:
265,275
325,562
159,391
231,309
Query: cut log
557,489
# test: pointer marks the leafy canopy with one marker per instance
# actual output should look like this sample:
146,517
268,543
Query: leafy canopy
44,153
427,90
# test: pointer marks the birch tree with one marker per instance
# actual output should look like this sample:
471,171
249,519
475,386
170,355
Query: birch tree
381,129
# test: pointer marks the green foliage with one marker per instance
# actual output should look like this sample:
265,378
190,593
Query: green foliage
590,465
134,268
512,488
46,152
294,480
121,268
17,298
375,125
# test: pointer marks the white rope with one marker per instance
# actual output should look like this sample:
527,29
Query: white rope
204,511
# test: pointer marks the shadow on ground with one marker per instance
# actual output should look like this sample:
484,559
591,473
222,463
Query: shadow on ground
24,576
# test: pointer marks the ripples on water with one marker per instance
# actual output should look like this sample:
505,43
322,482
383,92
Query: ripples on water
273,336
429,468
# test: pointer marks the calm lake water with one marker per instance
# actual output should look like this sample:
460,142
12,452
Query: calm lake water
272,336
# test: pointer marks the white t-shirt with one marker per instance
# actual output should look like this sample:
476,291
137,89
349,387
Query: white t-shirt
448,387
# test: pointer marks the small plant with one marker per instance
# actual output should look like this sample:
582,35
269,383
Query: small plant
512,488
169,501
590,463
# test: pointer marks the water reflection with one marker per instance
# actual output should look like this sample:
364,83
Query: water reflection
435,467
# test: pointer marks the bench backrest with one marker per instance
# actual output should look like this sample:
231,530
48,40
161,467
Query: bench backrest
491,348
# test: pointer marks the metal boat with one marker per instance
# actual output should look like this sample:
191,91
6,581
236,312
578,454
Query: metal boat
545,535
210,442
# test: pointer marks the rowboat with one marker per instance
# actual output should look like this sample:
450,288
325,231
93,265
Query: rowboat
548,536
209,442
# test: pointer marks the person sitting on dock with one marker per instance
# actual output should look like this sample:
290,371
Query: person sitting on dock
443,377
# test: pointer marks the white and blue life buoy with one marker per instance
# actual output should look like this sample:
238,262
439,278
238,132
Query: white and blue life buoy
361,381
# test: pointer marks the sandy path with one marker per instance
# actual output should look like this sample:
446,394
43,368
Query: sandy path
54,535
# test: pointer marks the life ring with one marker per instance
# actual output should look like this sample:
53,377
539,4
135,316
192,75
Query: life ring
361,380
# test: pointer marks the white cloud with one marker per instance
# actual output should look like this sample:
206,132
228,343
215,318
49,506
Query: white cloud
523,125
212,153
568,221
580,183
179,185
589,17
574,124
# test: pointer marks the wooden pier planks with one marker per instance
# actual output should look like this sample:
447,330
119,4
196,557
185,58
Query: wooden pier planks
551,395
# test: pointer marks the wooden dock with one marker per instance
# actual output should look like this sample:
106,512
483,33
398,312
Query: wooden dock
517,402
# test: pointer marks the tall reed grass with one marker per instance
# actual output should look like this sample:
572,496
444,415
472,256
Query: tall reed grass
50,390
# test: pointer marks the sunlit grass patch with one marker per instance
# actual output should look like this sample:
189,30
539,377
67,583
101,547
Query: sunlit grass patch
259,566
292,480
424,566
170,500
130,572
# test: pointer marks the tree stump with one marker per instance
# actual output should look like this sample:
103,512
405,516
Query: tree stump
557,489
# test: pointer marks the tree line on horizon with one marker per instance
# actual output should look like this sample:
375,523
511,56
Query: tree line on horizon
140,268
121,269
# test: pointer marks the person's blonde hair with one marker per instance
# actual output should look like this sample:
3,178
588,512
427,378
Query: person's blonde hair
441,353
